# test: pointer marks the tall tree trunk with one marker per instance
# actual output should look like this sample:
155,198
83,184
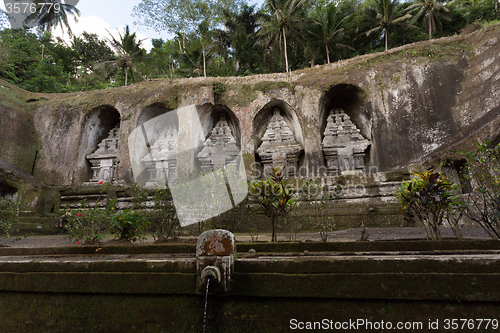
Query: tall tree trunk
385,38
204,64
126,76
430,27
327,55
286,55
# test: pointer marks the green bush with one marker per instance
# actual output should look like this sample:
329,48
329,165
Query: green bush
482,171
89,222
429,198
129,225
157,206
274,197
9,212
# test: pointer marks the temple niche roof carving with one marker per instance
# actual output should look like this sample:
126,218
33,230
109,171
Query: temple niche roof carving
103,160
279,146
220,148
161,161
343,145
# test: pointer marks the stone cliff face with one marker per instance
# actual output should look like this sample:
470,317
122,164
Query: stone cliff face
411,104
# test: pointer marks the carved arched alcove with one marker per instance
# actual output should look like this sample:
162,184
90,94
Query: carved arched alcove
220,142
7,191
99,145
345,127
155,145
277,139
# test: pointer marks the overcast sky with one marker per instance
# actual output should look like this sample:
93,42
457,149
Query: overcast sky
113,15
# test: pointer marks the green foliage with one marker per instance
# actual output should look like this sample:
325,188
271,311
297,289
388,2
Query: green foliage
91,50
428,197
89,222
48,17
434,11
9,211
326,223
128,52
327,31
281,35
388,13
131,226
219,89
274,197
158,208
483,172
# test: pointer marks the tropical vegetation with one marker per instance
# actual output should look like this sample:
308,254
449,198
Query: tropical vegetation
225,38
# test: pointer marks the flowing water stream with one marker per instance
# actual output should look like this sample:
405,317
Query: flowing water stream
205,311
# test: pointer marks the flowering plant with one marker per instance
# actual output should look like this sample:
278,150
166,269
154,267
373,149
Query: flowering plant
130,226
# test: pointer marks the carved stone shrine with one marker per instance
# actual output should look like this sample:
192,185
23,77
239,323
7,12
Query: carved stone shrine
103,160
220,147
279,147
161,161
343,145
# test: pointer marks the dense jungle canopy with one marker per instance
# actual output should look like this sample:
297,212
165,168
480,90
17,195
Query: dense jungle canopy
227,38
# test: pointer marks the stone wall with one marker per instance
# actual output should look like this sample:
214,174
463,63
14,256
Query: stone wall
407,103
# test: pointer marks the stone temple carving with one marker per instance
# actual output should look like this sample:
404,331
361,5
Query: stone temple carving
103,160
279,147
220,147
343,145
161,161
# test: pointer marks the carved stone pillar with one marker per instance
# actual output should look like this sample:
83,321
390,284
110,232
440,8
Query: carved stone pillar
279,147
220,147
343,145
103,160
161,161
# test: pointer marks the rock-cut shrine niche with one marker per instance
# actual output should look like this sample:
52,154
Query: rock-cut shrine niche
161,162
156,145
343,145
279,147
220,148
103,160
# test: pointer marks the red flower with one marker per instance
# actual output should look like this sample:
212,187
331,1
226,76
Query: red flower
100,183
78,243
79,214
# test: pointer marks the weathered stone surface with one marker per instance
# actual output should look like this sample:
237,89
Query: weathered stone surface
220,147
410,106
343,145
103,160
279,149
161,162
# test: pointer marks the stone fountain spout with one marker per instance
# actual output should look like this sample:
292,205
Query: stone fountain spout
215,252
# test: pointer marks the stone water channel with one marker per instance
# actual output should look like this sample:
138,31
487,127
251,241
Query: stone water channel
158,289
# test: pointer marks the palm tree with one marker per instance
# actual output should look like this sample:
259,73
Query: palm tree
240,32
51,13
433,10
326,29
284,17
128,50
387,13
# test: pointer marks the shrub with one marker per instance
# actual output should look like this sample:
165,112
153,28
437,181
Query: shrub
157,207
274,197
129,225
89,222
482,171
9,211
428,197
